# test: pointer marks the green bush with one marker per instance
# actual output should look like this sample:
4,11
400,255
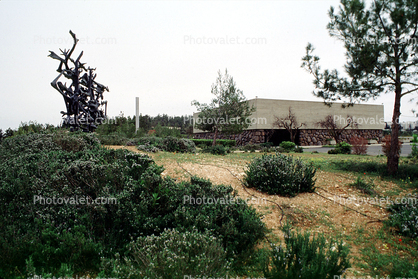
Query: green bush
298,149
251,147
404,217
209,142
288,145
113,139
148,148
174,254
163,132
341,148
82,237
280,174
403,268
307,257
215,150
405,171
172,144
169,144
414,147
365,187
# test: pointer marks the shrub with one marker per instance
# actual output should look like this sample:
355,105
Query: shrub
359,145
174,254
171,144
163,132
79,235
365,187
287,145
305,256
280,174
215,150
153,141
209,142
404,217
341,148
298,149
403,268
386,145
148,148
113,139
266,144
251,147
414,148
405,171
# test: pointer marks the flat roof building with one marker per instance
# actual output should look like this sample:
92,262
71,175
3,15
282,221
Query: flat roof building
369,119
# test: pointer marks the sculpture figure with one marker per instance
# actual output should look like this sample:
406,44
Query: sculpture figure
84,97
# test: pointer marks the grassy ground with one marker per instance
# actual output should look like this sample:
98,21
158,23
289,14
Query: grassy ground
338,208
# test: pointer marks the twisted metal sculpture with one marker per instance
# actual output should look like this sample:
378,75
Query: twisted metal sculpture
84,97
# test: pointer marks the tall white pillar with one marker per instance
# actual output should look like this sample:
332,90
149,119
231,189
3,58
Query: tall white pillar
137,114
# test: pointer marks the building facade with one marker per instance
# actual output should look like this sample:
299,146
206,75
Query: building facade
369,119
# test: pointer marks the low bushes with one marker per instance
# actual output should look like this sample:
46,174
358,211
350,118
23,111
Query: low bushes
169,144
280,174
172,144
363,186
341,148
405,171
305,256
287,145
359,145
414,148
216,150
57,238
404,217
113,139
208,142
174,254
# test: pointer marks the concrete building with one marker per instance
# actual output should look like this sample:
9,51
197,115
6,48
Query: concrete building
369,118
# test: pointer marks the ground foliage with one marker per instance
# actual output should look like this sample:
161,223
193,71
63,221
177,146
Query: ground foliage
280,175
54,238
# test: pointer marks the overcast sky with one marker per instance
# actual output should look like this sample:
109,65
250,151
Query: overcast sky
167,53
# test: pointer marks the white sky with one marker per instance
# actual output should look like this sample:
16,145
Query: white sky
167,53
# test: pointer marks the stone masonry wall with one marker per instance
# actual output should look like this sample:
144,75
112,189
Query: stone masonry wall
306,137
318,137
246,137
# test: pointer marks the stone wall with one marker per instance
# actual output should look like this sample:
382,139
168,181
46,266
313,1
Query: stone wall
306,137
246,137
319,137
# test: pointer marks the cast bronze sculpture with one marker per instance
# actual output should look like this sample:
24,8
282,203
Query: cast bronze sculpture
84,97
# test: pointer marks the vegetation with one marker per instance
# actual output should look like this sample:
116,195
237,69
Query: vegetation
280,175
290,123
229,111
336,129
208,142
386,146
414,147
404,216
288,145
172,254
359,145
169,144
307,256
341,148
380,43
74,238
365,187
160,126
216,150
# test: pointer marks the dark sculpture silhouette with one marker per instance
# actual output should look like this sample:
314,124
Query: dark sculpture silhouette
84,97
